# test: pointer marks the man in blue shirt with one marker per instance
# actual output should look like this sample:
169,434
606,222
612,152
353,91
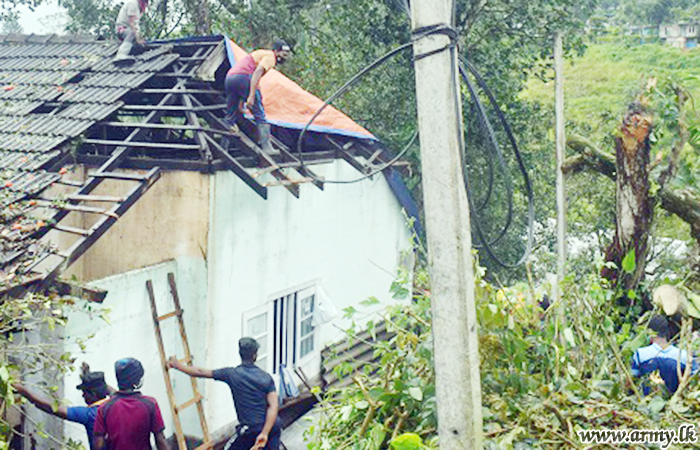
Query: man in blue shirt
254,397
661,356
95,392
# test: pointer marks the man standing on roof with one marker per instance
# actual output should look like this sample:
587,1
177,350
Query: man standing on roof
254,397
242,86
128,419
128,28
95,392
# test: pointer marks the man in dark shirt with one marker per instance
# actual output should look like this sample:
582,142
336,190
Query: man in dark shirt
254,397
95,392
128,419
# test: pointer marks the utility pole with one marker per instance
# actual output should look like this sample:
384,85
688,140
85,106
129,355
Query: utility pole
561,147
455,333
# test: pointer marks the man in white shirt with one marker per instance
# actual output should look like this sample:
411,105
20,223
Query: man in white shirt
128,29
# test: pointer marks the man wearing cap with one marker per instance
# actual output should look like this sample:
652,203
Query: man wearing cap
95,392
254,397
128,419
242,86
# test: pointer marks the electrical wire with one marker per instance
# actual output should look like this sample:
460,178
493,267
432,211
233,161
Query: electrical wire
465,67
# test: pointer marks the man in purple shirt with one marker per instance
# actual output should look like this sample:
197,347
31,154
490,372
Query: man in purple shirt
128,419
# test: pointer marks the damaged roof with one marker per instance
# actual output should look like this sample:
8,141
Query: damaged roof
63,101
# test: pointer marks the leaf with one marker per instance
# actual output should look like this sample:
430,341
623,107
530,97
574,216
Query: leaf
370,301
569,336
407,441
656,405
362,404
345,413
416,393
629,262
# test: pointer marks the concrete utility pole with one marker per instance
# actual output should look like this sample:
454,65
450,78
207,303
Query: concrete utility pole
561,147
458,383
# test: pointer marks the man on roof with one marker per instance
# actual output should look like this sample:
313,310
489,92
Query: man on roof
242,87
95,393
128,29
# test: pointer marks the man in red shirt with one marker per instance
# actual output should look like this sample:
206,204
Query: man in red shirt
128,419
242,87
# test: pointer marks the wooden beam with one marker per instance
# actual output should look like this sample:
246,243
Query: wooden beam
236,167
347,157
171,108
131,143
73,289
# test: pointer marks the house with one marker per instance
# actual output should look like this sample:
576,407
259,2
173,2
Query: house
680,35
119,177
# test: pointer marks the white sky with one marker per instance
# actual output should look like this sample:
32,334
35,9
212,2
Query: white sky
45,19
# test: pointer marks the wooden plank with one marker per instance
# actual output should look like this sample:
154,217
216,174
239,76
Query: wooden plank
197,399
120,176
77,208
346,156
72,230
96,198
184,91
180,436
169,315
139,144
236,167
172,108
193,120
188,356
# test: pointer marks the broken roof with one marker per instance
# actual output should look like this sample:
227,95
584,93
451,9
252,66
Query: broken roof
62,101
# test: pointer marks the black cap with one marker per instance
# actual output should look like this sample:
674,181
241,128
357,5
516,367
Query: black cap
92,380
129,373
281,44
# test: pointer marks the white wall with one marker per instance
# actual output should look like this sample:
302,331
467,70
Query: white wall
348,237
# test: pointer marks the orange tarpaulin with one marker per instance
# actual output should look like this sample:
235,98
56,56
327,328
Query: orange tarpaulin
288,105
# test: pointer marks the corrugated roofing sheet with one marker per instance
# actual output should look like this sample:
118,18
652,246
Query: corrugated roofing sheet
28,162
18,107
153,65
78,93
51,77
64,50
91,111
29,92
109,79
44,124
29,142
48,63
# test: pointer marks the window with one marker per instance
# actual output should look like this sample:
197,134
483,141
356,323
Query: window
306,327
256,325
294,337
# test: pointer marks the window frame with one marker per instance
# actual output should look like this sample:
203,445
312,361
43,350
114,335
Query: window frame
269,324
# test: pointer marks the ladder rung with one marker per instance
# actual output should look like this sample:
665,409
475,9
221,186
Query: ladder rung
72,230
119,176
96,198
205,446
169,315
189,403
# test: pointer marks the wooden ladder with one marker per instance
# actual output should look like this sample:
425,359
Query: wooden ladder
197,398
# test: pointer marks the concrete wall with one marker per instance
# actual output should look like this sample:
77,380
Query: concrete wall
347,239
169,221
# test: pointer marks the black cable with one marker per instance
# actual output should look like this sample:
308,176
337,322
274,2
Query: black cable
485,123
521,166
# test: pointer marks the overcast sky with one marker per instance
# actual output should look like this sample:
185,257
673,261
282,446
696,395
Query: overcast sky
45,19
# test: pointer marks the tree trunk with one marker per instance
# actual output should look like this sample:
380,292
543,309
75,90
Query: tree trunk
634,205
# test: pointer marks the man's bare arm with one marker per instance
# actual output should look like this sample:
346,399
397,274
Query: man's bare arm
161,442
192,371
99,442
270,419
254,81
41,402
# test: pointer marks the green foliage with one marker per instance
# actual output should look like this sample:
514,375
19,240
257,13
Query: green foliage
542,380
